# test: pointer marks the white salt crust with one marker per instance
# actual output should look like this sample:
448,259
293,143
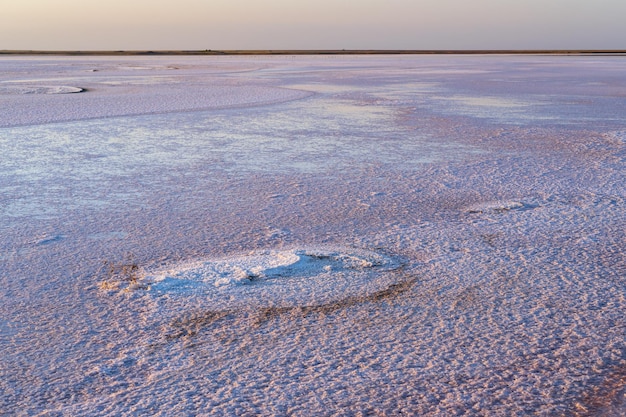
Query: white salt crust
19,89
297,277
414,235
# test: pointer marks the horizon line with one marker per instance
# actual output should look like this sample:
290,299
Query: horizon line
319,52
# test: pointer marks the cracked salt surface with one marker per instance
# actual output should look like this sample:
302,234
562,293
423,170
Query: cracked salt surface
417,235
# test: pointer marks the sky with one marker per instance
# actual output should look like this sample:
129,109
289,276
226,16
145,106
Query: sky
311,24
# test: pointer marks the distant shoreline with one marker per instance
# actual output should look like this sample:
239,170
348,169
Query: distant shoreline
210,52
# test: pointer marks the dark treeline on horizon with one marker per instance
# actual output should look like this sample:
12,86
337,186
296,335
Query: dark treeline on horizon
320,52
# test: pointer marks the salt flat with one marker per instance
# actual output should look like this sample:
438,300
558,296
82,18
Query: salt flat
312,235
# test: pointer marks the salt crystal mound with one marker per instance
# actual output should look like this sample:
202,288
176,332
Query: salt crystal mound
38,89
296,277
501,207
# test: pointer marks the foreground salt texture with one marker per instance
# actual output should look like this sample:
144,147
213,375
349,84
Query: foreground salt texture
312,235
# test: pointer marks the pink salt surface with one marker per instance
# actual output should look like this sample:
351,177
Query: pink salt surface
466,215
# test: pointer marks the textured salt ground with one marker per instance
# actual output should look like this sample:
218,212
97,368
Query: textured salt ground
510,300
116,88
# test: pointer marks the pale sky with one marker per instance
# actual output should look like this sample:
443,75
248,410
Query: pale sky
312,24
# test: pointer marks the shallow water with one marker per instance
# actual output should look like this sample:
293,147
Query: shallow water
296,235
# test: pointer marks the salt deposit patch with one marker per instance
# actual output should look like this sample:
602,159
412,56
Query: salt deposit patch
38,89
501,206
501,108
501,102
296,277
618,137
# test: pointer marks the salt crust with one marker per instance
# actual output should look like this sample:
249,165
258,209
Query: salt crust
500,206
115,88
20,89
287,277
510,299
